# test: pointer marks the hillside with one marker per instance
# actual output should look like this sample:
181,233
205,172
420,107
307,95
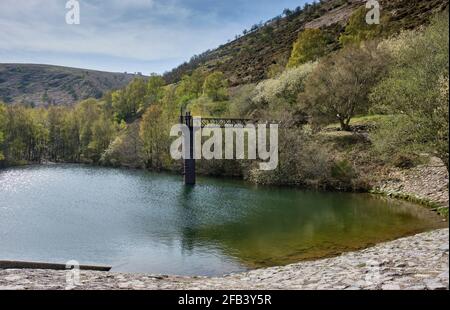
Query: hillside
250,57
45,85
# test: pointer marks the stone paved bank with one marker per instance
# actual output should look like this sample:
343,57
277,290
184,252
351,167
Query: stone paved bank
424,182
417,263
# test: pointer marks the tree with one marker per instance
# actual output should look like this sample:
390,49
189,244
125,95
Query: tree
103,132
2,157
119,105
71,134
152,135
286,87
287,12
45,98
417,88
310,45
87,113
125,149
155,90
136,97
358,30
24,134
128,102
216,86
56,142
338,88
2,128
191,86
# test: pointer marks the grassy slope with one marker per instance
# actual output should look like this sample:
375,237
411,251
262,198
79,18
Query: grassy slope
249,58
245,60
29,83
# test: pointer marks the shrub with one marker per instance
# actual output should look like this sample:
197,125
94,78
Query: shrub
358,30
241,101
286,87
342,171
216,86
301,162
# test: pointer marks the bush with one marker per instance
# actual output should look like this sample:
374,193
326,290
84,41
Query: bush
342,171
302,162
392,136
358,30
286,87
216,86
241,101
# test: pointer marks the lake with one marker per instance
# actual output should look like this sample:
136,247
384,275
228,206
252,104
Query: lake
138,221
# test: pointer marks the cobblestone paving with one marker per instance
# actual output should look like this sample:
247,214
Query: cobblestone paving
429,181
415,263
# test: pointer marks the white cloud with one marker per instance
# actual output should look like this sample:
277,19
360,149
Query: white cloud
140,30
105,30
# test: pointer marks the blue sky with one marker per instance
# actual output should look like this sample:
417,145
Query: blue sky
125,35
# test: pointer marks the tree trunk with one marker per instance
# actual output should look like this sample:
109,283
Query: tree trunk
345,125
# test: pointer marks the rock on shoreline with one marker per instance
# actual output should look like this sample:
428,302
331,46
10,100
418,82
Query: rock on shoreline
414,263
427,182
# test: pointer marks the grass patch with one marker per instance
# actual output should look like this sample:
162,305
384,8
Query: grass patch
370,120
364,120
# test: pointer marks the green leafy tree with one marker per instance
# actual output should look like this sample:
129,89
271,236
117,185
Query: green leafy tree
286,87
24,134
216,86
190,87
103,132
2,157
126,103
2,128
56,142
153,137
358,30
155,89
338,88
125,149
119,105
71,133
417,88
136,97
87,113
310,45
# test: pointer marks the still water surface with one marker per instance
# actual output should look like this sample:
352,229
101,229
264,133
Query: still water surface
138,221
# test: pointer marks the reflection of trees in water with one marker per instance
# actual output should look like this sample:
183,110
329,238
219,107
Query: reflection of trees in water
274,227
323,225
187,211
206,207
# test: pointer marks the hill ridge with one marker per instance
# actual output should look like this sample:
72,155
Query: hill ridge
249,58
42,84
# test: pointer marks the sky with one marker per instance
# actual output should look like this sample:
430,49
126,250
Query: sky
125,35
